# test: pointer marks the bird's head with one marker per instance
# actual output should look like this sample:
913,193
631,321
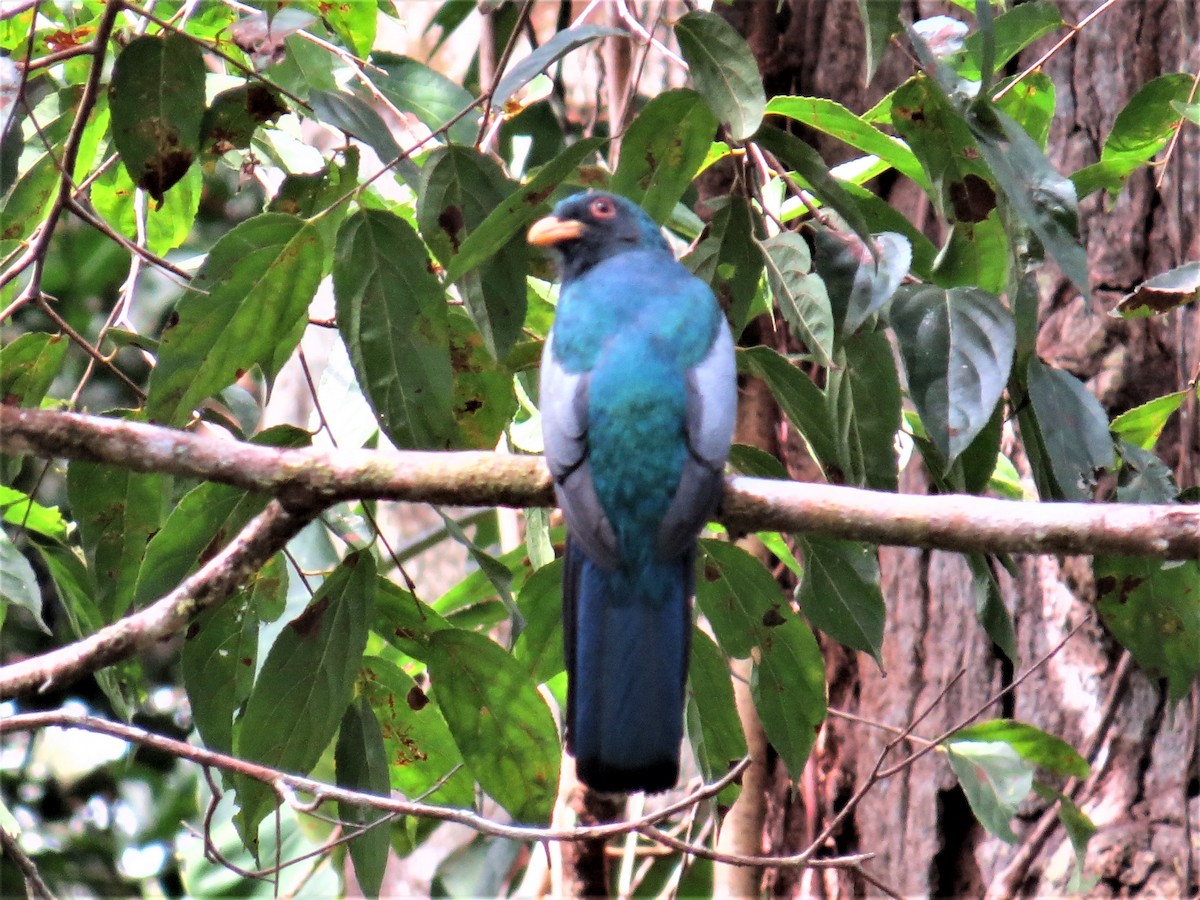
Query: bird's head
589,228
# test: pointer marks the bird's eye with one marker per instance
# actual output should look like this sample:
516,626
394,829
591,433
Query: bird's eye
602,208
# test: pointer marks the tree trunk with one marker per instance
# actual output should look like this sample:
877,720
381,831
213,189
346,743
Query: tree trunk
1144,755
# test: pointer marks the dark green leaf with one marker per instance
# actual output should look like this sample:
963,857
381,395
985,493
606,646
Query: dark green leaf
356,117
157,101
1142,425
118,511
361,762
519,209
245,307
1073,428
1153,609
723,70
1079,829
28,366
801,295
1044,199
221,652
391,313
484,402
881,20
18,582
1012,32
863,393
545,56
662,150
840,592
426,93
880,217
496,572
28,202
459,190
1144,478
1162,293
730,260
747,611
755,463
420,750
304,686
801,400
977,463
806,163
719,740
540,644
957,346
833,119
500,722
235,115
995,780
990,609
859,284
1042,749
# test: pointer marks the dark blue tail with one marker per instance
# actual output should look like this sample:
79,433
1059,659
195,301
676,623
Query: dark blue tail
626,643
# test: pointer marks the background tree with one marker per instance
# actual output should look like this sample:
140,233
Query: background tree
208,206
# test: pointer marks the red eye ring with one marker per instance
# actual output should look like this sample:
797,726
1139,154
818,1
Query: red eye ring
602,208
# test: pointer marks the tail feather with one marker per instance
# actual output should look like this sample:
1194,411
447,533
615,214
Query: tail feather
626,649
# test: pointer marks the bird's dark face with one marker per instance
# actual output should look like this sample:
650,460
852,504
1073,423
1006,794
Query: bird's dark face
588,228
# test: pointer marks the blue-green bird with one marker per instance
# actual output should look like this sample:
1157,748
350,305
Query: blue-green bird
638,399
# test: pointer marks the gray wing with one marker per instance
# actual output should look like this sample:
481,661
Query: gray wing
564,398
711,412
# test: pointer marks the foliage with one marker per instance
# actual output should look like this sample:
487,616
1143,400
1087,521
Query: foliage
195,149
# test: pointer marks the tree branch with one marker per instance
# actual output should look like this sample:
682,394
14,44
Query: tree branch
311,477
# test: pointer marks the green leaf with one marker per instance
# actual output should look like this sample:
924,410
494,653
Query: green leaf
118,511
662,150
1032,744
221,651
1044,199
20,510
1162,293
422,756
1012,32
519,209
1079,829
459,189
18,582
361,763
957,346
1141,129
995,780
755,463
718,741
990,609
1189,111
28,366
1031,104
246,306
354,24
857,283
391,313
1144,478
28,202
1073,427
157,102
730,260
304,686
429,95
806,163
863,393
484,402
835,120
540,644
723,70
881,20
746,609
840,594
1143,425
353,115
167,223
1153,609
801,400
563,42
234,116
500,722
801,296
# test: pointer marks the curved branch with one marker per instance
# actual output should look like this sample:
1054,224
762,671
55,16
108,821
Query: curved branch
313,477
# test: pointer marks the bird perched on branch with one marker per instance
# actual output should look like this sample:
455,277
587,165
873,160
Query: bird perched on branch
638,398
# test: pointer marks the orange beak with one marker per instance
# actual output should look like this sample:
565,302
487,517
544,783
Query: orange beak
551,230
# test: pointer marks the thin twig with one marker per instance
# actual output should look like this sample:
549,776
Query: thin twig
33,878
